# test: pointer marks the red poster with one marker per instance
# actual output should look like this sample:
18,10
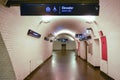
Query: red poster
104,48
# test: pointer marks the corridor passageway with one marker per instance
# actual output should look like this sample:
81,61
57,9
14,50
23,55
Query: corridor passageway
33,33
64,65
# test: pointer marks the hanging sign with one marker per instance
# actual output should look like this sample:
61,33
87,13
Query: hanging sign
59,9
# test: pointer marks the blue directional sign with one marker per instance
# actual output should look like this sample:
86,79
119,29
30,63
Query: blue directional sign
59,9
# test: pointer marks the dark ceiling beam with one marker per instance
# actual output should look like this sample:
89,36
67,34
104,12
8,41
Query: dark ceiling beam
18,2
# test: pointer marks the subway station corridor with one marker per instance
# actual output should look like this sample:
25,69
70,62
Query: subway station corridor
65,65
59,39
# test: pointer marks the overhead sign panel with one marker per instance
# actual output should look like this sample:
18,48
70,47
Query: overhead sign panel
59,9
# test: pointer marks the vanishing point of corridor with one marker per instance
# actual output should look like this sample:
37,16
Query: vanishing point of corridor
64,65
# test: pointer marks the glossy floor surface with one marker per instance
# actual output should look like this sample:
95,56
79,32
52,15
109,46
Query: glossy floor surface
64,65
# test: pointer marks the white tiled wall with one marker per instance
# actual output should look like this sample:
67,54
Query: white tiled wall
6,68
26,52
109,22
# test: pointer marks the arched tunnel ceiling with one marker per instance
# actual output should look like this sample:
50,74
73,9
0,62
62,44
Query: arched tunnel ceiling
101,19
66,22
67,27
72,23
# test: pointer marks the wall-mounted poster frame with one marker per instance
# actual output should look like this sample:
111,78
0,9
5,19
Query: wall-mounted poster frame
33,34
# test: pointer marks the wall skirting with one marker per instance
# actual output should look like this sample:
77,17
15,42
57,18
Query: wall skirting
34,71
107,77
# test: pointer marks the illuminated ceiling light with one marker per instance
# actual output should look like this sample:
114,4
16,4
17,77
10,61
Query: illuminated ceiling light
64,31
72,39
88,18
47,18
88,32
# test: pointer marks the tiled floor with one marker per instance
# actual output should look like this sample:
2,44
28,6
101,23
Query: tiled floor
65,66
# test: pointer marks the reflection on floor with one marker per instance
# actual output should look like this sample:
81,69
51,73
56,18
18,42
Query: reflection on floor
65,66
